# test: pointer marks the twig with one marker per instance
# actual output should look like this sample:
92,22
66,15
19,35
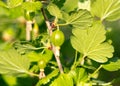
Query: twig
96,71
47,21
28,26
28,30
42,74
31,74
55,50
75,60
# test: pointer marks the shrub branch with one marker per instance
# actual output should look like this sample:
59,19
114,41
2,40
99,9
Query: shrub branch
54,49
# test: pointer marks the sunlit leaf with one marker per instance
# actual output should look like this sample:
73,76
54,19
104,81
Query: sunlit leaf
47,55
84,5
24,48
48,78
14,3
90,43
85,84
54,10
106,9
34,56
65,15
62,80
2,4
10,80
101,83
5,12
80,19
32,6
16,12
70,5
13,63
5,46
112,65
79,75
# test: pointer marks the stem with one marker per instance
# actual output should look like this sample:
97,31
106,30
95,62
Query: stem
41,74
81,60
32,48
28,30
47,22
32,74
74,64
28,26
92,75
55,50
96,71
59,64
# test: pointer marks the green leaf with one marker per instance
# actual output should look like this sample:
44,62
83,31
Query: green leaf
10,80
79,75
85,84
54,10
70,5
34,57
23,48
102,83
84,5
112,65
16,12
5,46
14,3
65,15
80,19
2,4
47,55
32,6
48,78
13,63
62,80
5,12
90,43
106,9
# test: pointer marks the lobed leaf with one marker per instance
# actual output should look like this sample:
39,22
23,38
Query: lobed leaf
112,65
32,6
16,12
106,9
62,80
84,5
79,75
13,63
54,10
90,43
70,5
48,78
80,19
34,57
14,3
